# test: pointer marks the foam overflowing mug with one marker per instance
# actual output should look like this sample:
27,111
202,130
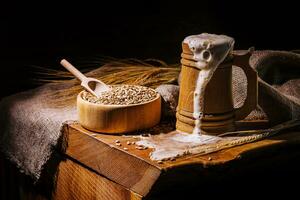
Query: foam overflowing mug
205,99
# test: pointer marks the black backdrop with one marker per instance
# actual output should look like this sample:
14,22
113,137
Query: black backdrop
43,34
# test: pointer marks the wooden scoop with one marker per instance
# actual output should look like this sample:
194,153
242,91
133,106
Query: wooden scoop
92,85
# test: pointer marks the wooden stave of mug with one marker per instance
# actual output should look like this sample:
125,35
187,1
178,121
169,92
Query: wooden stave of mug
219,86
207,130
218,118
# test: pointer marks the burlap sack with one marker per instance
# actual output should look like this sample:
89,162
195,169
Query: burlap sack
30,128
278,85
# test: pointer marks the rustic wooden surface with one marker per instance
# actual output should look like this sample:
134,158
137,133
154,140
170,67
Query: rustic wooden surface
76,182
133,170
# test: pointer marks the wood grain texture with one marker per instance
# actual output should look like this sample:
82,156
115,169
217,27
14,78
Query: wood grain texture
134,170
78,183
116,119
104,157
218,107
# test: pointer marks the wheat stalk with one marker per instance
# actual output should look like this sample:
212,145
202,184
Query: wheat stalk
150,73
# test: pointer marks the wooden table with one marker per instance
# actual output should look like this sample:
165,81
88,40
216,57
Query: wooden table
95,168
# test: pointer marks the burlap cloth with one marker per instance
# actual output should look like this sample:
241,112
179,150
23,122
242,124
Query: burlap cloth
30,127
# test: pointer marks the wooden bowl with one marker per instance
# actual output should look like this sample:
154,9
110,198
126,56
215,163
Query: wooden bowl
116,119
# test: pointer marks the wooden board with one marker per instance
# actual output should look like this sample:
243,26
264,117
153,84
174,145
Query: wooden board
77,183
134,170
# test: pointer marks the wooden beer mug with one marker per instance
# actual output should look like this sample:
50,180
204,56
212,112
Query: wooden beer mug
219,114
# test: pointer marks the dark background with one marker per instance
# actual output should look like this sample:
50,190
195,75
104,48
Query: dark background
43,34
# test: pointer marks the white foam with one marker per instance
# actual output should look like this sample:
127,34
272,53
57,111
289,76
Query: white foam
174,144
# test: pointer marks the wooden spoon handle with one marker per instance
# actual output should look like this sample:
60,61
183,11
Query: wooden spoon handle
73,70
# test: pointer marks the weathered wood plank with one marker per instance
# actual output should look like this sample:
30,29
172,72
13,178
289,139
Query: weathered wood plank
78,183
114,163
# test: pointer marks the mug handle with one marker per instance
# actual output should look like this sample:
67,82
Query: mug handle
241,59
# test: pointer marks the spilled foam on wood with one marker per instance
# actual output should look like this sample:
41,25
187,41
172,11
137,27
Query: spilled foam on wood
209,50
175,144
